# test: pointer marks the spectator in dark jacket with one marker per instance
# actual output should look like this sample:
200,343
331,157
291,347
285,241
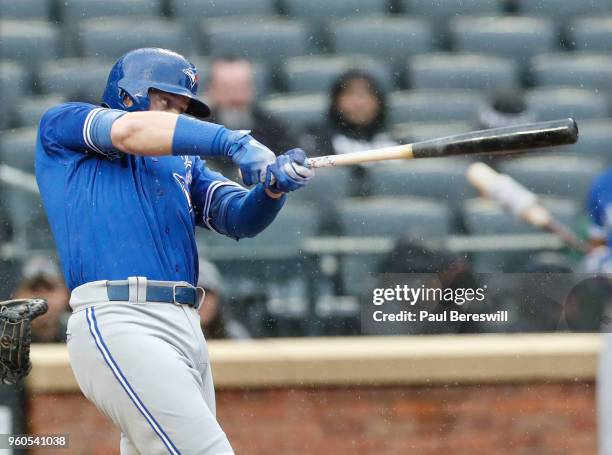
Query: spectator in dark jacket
356,120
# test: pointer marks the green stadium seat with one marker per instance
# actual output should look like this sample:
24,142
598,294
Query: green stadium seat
517,38
26,9
442,179
439,12
584,70
73,12
592,34
556,103
595,140
258,38
31,109
319,14
76,79
571,178
390,38
563,10
486,217
394,216
464,71
317,73
30,42
17,148
421,131
191,12
297,111
14,83
111,38
421,219
22,203
435,106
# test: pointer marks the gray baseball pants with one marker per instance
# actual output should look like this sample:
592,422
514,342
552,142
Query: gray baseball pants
146,366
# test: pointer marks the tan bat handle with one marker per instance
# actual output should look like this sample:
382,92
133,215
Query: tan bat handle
397,152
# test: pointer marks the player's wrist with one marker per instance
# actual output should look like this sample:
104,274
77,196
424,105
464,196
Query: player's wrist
196,137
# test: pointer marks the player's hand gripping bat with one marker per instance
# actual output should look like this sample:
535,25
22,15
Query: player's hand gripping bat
497,140
521,202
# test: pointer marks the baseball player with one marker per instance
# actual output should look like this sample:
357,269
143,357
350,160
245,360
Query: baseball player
124,186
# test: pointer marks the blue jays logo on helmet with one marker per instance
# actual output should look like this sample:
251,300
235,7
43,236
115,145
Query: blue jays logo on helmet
140,70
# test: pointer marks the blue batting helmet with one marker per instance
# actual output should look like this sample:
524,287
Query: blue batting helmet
140,70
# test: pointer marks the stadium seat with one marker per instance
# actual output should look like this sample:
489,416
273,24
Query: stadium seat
439,12
187,10
76,79
556,103
30,42
394,217
13,84
293,224
485,217
26,9
517,38
589,71
593,34
421,131
568,177
17,148
390,38
317,73
73,12
434,106
319,14
562,10
332,186
464,71
442,179
297,111
259,38
30,110
595,140
77,10
421,219
191,12
111,38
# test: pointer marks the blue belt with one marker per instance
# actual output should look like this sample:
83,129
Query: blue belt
177,294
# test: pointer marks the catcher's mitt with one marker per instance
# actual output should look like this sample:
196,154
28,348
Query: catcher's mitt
15,337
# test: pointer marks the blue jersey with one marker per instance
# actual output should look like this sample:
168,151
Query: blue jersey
600,208
117,215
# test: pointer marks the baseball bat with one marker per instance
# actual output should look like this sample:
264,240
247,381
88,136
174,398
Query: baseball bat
521,202
495,140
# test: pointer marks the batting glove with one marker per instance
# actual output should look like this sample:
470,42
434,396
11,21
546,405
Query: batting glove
289,172
251,156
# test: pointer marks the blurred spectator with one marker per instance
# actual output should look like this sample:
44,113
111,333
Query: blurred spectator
412,263
230,93
505,108
41,278
215,319
356,120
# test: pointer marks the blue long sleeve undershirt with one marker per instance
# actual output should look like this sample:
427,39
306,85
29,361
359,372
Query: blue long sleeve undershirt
239,213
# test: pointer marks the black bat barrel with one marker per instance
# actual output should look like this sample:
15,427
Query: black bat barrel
500,140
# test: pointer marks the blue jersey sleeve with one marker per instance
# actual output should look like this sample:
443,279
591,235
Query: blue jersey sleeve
79,128
227,208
